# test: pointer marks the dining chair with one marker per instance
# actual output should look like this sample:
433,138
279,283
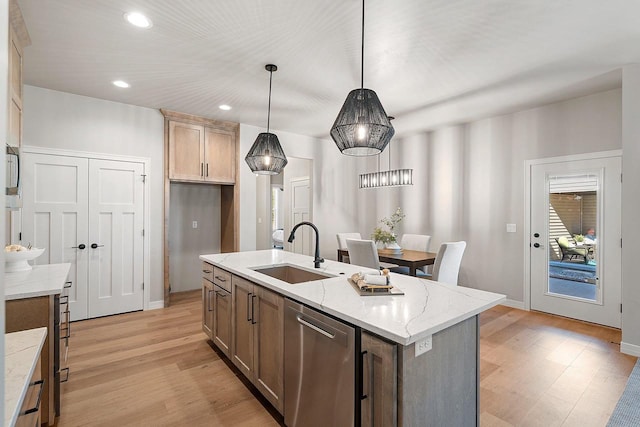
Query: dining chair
342,239
363,253
414,242
447,264
342,242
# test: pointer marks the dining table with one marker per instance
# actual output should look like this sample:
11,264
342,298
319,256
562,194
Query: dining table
405,258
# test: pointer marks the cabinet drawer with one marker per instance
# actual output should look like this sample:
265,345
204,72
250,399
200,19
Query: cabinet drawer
207,271
30,410
222,278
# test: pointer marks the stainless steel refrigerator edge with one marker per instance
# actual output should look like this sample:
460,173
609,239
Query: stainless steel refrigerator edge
319,369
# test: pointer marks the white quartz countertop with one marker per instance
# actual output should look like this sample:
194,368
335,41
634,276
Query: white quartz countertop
21,351
41,280
425,308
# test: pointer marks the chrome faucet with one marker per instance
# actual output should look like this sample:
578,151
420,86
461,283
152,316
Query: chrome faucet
292,236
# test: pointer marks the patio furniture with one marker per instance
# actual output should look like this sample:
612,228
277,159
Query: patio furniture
570,250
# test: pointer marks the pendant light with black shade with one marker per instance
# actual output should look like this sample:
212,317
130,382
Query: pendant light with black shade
266,156
362,127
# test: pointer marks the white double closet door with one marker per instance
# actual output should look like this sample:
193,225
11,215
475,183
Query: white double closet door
88,212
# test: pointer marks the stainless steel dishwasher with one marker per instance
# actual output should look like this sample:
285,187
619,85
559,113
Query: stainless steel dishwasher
319,369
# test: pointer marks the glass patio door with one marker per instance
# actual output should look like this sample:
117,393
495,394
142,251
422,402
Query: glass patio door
575,239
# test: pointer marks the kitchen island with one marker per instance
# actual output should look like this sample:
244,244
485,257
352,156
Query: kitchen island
33,300
430,334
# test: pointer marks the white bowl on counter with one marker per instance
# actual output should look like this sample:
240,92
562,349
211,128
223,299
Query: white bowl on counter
19,260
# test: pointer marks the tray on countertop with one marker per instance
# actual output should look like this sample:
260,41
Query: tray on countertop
393,291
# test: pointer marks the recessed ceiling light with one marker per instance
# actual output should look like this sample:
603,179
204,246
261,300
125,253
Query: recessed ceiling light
225,107
138,19
121,84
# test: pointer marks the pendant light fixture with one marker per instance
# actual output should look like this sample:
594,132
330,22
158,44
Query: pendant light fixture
389,178
362,127
266,156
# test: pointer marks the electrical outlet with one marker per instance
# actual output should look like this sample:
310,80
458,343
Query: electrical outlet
194,224
424,345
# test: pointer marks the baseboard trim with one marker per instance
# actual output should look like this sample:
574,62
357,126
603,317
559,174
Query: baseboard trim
154,305
513,304
631,349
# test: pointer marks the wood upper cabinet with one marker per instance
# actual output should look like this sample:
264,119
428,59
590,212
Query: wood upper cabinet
219,156
18,39
258,338
201,153
186,151
379,382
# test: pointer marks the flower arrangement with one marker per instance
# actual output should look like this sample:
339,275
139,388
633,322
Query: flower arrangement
388,236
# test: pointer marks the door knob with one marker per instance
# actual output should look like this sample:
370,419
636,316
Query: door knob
536,234
95,245
80,246
536,245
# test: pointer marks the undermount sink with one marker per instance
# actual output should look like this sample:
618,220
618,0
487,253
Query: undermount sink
291,274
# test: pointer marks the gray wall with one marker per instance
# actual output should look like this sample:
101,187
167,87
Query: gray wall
62,120
469,181
630,208
192,202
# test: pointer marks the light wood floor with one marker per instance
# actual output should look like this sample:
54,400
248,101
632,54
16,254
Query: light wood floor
156,368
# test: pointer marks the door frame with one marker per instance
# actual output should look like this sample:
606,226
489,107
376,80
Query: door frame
146,161
293,181
526,244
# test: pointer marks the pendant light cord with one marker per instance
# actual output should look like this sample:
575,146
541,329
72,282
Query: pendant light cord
362,51
269,109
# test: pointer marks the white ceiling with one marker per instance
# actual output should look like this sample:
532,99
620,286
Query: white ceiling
432,62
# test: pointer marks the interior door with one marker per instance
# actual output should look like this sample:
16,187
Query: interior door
300,211
54,216
572,275
116,239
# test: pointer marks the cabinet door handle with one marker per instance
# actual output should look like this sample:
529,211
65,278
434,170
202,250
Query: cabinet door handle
207,169
222,279
362,358
67,327
253,316
207,271
248,311
37,407
67,377
221,294
81,246
95,246
201,169
68,284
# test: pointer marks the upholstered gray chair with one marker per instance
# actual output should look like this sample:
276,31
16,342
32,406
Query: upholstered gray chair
363,253
342,242
447,264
